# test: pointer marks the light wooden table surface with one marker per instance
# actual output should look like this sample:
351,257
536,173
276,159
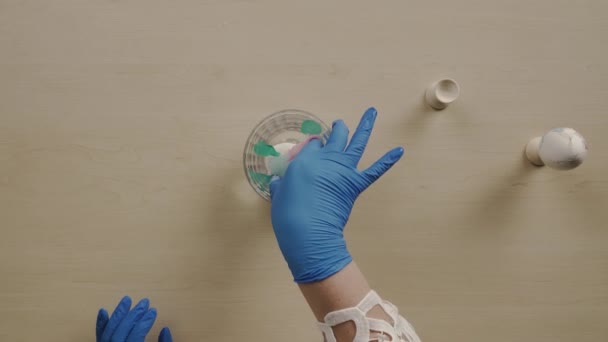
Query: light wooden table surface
122,125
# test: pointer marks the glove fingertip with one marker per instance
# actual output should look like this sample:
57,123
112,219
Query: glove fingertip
383,164
142,327
102,322
150,315
396,154
165,335
143,304
126,301
391,157
102,314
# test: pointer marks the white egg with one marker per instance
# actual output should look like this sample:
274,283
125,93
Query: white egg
562,149
278,165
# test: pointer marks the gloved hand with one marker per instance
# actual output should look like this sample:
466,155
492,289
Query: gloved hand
128,326
312,202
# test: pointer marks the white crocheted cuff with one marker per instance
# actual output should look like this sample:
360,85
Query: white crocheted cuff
370,329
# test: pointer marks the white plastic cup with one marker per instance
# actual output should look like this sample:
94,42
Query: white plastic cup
441,93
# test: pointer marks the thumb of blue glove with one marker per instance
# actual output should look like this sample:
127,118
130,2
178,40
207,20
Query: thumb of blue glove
312,203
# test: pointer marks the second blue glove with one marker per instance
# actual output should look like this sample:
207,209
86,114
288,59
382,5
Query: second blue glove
128,325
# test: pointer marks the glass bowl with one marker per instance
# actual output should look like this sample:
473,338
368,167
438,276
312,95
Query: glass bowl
270,141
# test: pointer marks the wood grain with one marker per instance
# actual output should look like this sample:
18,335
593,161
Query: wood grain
121,132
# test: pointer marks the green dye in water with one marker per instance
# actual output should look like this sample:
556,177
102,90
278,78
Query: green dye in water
311,127
263,149
260,178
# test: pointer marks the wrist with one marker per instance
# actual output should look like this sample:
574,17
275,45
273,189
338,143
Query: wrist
341,290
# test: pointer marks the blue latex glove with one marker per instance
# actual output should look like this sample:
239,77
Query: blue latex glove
312,203
128,325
